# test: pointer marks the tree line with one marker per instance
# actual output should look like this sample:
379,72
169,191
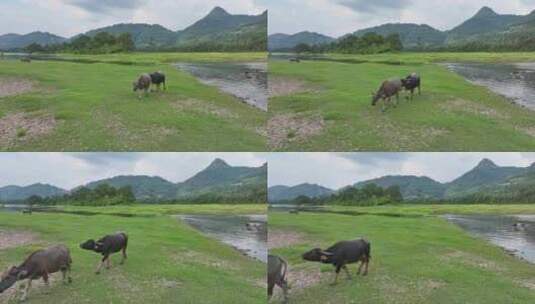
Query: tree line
368,195
101,43
369,43
101,195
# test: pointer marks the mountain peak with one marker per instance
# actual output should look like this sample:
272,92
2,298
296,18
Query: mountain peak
218,163
486,164
486,11
218,11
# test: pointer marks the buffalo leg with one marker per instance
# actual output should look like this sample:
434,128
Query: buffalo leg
270,290
338,267
101,264
26,290
284,286
347,272
124,256
108,263
366,266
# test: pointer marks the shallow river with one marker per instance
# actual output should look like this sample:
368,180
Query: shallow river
515,233
515,81
246,81
247,233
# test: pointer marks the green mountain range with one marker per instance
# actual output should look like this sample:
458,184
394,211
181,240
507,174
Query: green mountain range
278,194
486,28
486,180
279,42
219,30
18,193
218,182
16,41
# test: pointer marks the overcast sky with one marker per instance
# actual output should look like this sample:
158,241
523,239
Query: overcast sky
336,170
70,17
339,17
68,170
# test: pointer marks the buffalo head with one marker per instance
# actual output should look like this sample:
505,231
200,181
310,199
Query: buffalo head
10,277
91,245
317,255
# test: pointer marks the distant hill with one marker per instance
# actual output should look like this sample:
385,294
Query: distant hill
219,31
486,173
483,22
145,36
411,187
226,182
284,193
278,42
16,41
145,188
18,193
412,35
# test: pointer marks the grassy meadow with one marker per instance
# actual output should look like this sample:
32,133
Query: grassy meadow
415,259
73,106
168,261
329,106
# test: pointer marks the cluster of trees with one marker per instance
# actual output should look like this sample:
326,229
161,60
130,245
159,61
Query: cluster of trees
102,195
369,195
101,43
369,43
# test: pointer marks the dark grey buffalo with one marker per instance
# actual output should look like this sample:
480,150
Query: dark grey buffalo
158,78
341,254
412,82
107,246
388,89
142,84
277,268
40,264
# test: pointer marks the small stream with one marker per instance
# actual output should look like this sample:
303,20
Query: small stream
246,81
515,81
247,233
515,233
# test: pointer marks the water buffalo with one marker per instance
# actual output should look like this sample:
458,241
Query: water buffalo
158,78
277,268
107,246
388,89
342,253
412,82
26,59
142,84
39,264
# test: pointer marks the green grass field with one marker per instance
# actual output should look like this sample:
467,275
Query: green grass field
168,262
332,100
91,107
414,260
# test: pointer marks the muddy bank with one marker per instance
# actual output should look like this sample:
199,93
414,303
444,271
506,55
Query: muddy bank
246,81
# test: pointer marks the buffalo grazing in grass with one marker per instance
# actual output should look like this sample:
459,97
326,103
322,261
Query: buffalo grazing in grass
40,264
